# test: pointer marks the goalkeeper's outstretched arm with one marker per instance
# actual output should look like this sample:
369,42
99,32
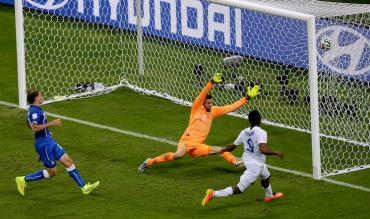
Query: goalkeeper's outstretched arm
251,93
198,102
221,110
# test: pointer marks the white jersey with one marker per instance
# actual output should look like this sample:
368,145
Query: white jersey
251,138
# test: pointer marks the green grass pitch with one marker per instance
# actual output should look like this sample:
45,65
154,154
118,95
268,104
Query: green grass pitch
171,190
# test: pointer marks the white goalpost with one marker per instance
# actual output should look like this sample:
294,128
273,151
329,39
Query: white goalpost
311,59
21,68
314,103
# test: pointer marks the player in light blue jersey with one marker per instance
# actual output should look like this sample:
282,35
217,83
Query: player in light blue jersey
48,150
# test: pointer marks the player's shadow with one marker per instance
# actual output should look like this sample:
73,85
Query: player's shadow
217,208
227,206
194,169
228,170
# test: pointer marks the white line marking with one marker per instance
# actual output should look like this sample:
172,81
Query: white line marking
295,172
8,104
125,132
166,141
333,181
346,184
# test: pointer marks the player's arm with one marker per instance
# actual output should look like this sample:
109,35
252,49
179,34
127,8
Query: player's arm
231,147
198,102
37,128
251,93
267,151
221,110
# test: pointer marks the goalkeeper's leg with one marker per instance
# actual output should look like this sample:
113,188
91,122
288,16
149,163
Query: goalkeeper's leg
166,157
229,157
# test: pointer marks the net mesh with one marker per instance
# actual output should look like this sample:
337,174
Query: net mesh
87,49
344,93
68,58
317,8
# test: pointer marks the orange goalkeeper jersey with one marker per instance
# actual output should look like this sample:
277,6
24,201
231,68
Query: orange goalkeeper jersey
200,121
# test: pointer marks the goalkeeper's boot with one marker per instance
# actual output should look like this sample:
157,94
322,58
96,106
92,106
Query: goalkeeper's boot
276,196
208,197
21,184
87,188
143,166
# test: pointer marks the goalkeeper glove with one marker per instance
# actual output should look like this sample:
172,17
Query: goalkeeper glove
251,93
217,78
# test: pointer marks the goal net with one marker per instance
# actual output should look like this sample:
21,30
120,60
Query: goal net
77,48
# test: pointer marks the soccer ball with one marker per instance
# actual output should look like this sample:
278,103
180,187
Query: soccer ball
325,44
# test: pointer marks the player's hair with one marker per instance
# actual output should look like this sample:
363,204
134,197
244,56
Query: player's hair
31,95
254,118
209,96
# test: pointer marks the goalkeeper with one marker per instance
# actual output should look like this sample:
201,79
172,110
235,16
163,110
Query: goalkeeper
200,122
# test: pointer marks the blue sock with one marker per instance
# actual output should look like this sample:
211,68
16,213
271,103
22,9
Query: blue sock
42,174
73,172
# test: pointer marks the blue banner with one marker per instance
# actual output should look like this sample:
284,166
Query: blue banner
8,2
244,32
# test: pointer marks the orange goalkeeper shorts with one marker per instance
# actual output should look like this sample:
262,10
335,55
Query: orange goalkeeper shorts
195,149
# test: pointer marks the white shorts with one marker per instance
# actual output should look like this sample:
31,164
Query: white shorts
251,174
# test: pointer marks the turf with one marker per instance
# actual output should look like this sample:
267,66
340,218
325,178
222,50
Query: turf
171,190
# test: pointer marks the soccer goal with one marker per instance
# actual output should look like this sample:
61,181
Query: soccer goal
311,59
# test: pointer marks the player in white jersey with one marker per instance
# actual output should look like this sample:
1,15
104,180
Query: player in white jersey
254,156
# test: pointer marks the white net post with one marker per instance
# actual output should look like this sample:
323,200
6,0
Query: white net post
139,31
22,102
314,99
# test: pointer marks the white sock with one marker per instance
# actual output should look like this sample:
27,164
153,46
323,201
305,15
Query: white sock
71,168
268,191
46,174
224,192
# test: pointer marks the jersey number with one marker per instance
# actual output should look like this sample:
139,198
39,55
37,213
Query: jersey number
250,145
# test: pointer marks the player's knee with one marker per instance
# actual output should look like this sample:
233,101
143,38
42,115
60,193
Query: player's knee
237,190
52,172
66,161
69,162
242,186
177,156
